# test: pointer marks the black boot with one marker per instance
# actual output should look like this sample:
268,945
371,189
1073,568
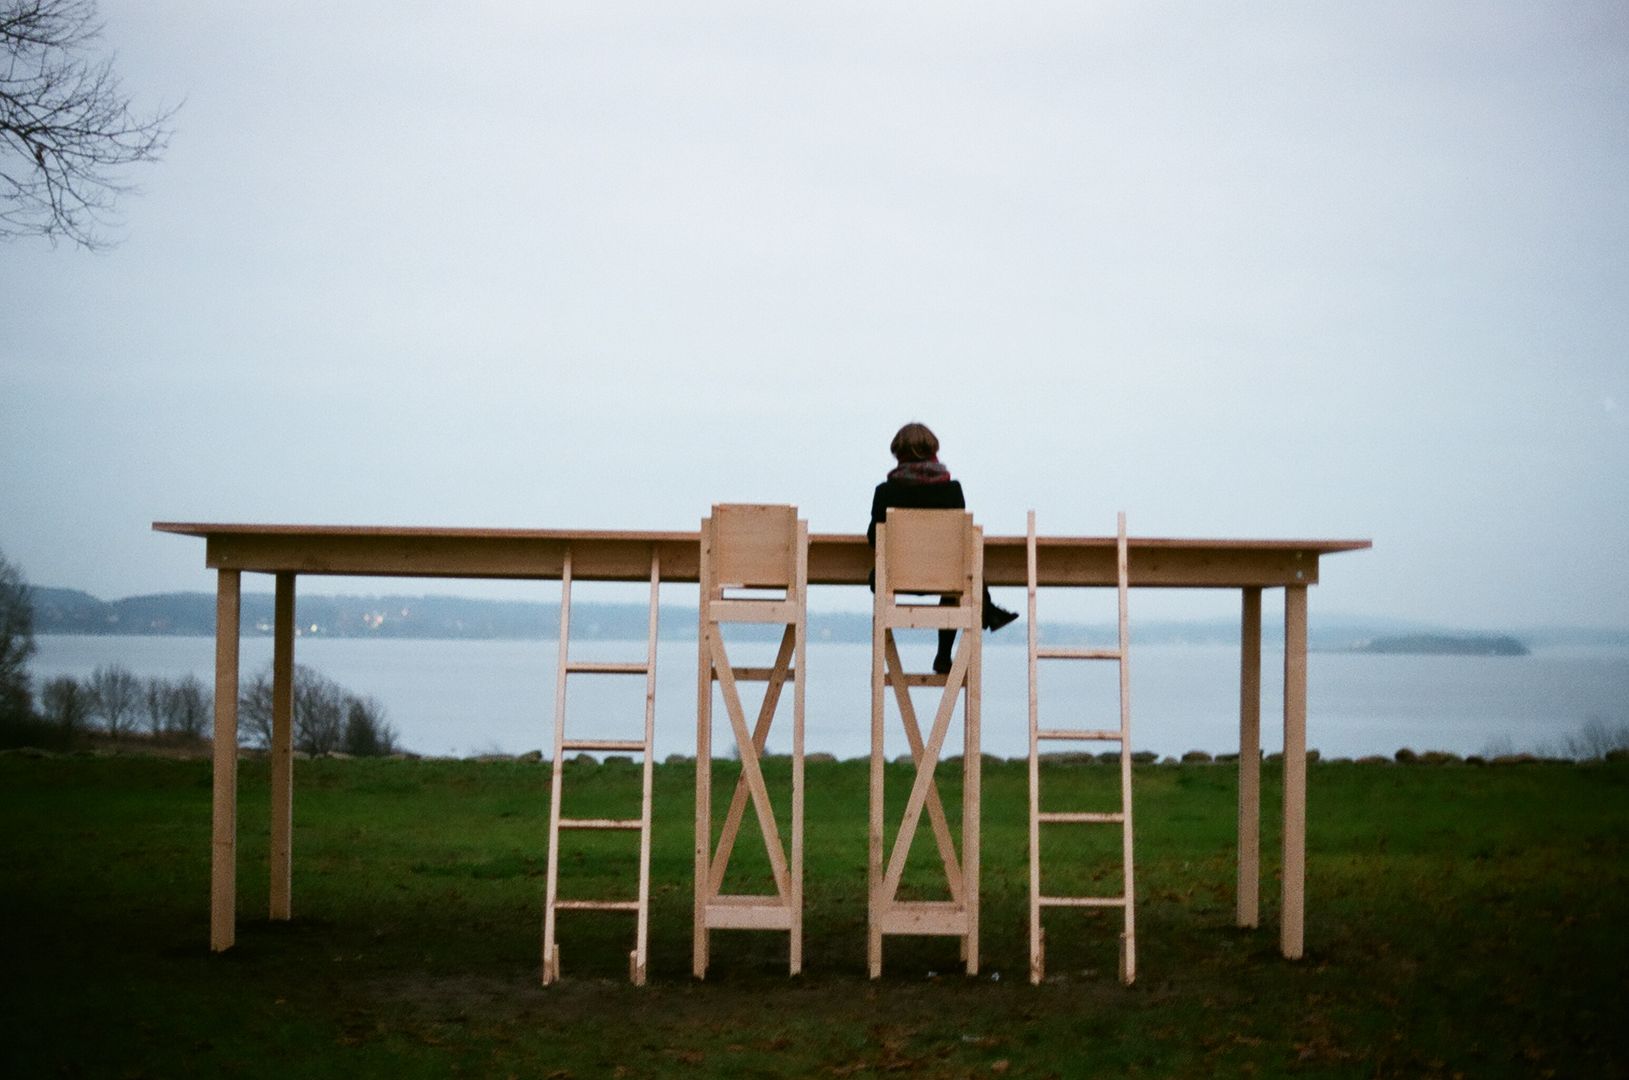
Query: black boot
996,617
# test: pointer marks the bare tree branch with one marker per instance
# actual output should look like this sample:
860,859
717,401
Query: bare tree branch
66,125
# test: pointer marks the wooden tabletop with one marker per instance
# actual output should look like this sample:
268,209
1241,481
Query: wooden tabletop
834,558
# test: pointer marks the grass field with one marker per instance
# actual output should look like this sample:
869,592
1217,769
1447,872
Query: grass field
1461,920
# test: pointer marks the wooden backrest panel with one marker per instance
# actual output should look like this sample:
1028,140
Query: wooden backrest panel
928,550
755,546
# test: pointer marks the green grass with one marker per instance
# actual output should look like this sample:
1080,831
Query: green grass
1461,920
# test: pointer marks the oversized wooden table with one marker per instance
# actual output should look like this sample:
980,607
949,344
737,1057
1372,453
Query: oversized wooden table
287,551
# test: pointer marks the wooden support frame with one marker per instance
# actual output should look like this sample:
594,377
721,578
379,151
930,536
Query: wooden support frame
638,958
1247,909
833,559
1294,867
223,867
926,551
1121,656
766,548
282,751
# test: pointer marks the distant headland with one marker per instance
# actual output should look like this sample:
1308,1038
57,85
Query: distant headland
1445,645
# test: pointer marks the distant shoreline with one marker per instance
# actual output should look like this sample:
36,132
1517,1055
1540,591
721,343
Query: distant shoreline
452,618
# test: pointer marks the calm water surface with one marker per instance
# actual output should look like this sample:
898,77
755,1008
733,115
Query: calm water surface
468,697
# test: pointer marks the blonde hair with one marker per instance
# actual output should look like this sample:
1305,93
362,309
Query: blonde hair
914,442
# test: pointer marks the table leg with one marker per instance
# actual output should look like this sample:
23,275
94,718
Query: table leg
282,751
1249,881
224,834
1295,771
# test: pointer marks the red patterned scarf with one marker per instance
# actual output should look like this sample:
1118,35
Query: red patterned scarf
920,472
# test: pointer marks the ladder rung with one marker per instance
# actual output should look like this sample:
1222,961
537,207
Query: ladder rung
1070,818
596,905
589,667
758,674
1082,901
601,823
1080,735
633,746
1067,652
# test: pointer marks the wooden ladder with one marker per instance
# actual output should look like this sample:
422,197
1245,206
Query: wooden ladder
1126,901
562,746
927,552
761,548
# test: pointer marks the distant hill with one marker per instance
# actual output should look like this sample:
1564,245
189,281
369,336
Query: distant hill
192,614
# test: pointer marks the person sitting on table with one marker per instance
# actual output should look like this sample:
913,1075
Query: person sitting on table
920,482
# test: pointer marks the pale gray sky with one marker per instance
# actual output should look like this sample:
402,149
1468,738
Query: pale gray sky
1350,270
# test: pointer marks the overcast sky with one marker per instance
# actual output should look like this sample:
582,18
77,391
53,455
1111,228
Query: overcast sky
1263,270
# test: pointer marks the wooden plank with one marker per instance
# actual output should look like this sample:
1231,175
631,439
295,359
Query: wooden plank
1247,912
753,546
282,751
924,917
223,863
1080,734
926,551
1079,817
607,667
924,617
754,611
1295,772
770,914
600,823
616,746
833,558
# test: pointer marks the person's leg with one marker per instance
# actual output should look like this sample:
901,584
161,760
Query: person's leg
995,617
947,642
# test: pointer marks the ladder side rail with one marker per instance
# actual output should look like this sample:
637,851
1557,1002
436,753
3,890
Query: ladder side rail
551,959
972,751
800,575
880,601
704,759
1128,952
639,960
1037,947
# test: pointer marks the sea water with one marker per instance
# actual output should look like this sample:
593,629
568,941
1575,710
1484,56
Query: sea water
498,696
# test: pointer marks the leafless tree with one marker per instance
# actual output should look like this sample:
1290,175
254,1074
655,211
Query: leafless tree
66,126
115,695
326,716
16,646
155,705
65,703
189,707
367,732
